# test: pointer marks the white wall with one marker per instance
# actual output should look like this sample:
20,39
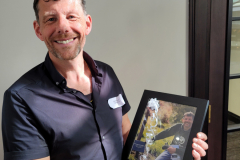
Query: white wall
144,41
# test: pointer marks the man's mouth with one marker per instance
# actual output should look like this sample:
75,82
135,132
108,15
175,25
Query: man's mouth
66,41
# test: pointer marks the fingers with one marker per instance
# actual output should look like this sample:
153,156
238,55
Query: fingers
200,143
196,155
199,146
199,150
202,136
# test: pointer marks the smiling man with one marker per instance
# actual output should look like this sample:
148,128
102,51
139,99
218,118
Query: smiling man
59,109
181,133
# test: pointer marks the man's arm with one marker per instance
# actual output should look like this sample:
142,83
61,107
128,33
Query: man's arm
126,126
168,132
21,139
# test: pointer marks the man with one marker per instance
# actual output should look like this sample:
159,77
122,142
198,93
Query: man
181,134
60,108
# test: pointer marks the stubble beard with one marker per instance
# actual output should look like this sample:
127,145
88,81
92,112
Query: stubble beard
64,54
188,125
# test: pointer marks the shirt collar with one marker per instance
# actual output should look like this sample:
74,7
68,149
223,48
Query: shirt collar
59,79
91,64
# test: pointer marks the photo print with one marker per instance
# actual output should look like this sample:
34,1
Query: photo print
163,132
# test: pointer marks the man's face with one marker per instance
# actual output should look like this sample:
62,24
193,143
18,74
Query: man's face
187,122
63,27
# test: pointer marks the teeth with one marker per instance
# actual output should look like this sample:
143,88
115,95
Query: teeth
65,42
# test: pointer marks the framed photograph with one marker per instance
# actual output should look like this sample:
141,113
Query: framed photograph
164,126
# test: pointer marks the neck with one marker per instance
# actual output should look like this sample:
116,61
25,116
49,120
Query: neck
70,68
76,73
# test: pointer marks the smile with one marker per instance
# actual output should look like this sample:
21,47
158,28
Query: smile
65,42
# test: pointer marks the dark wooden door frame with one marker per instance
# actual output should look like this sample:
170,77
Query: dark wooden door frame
207,48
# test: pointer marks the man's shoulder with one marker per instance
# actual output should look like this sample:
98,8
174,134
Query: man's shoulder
30,77
103,67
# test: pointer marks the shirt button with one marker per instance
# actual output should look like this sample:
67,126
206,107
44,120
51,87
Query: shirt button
103,137
63,82
74,91
57,83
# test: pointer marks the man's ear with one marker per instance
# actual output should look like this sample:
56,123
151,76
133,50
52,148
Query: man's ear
88,24
37,30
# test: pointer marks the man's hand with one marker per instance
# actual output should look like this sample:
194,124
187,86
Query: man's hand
199,146
171,150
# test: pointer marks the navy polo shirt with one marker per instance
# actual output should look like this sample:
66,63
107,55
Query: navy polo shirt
42,117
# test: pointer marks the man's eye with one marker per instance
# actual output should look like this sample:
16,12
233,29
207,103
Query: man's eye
70,17
51,19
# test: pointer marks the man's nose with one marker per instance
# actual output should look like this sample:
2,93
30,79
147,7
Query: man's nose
63,25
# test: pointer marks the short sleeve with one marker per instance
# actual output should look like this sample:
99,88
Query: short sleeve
21,137
126,107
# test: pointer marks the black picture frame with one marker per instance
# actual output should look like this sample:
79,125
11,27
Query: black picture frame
201,106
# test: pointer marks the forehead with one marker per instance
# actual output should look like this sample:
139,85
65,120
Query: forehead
187,117
59,6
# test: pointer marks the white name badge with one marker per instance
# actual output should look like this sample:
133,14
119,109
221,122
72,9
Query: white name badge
116,102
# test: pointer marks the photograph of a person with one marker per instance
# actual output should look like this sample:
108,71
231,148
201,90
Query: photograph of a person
164,131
